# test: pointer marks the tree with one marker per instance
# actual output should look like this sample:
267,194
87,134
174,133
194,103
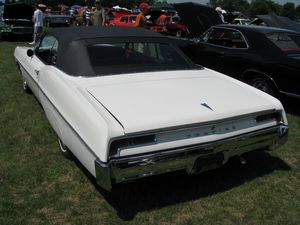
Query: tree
298,12
230,5
288,10
263,7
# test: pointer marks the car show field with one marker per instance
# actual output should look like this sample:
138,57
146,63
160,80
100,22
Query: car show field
39,186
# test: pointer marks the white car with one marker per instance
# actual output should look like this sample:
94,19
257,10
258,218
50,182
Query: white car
128,104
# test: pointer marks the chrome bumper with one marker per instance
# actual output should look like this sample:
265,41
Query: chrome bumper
193,159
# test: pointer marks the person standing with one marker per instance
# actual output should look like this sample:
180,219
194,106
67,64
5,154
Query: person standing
220,12
141,20
38,24
87,16
99,15
162,19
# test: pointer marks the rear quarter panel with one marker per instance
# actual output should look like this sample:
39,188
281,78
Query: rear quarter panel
75,119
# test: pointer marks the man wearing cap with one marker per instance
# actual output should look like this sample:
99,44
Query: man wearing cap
99,15
141,19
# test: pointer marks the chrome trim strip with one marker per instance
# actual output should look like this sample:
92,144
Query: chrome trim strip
190,126
290,94
195,125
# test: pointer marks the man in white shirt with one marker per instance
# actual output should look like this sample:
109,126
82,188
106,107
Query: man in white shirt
38,24
220,11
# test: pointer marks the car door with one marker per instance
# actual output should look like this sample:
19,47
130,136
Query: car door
222,49
30,69
43,57
286,71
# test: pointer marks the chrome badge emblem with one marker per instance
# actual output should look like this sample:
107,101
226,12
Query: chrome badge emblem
206,106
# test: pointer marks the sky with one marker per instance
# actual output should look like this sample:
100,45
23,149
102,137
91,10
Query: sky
281,2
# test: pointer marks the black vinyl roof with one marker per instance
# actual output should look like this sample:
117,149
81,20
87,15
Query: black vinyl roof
256,35
72,55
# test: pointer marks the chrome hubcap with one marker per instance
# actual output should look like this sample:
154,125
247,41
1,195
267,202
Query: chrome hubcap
261,85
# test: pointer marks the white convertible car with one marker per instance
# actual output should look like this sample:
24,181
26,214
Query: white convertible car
128,104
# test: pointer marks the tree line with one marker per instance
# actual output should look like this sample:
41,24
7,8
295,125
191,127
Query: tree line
257,7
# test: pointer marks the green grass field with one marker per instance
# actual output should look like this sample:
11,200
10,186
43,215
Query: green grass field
39,186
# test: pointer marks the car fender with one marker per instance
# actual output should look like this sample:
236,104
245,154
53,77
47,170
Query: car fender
75,120
250,72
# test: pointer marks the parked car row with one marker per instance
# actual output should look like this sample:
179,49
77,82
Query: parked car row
16,20
172,25
264,57
57,20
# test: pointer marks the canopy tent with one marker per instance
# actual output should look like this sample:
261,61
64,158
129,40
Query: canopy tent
273,20
197,17
75,6
162,6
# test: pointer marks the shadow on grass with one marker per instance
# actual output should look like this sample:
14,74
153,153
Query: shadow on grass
17,38
168,189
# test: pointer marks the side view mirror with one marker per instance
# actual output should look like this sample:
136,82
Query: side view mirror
30,52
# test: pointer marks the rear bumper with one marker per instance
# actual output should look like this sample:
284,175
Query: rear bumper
193,159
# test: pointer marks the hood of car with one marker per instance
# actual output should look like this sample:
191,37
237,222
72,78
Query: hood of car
18,11
163,99
197,18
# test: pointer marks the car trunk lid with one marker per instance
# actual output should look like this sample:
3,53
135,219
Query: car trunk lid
162,101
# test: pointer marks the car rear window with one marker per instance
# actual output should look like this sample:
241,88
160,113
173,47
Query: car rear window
223,37
288,43
131,57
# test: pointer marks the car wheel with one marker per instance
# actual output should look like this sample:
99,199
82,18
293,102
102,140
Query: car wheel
178,33
262,84
25,86
64,150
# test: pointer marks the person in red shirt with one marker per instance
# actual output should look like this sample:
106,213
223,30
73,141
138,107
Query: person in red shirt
141,19
161,19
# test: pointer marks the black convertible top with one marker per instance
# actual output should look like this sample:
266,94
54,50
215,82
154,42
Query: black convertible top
73,42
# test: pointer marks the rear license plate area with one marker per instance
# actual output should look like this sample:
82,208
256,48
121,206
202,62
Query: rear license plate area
208,162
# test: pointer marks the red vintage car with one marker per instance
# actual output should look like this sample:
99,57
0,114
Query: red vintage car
128,20
125,20
158,28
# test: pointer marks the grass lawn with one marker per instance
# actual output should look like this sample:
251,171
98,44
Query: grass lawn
39,186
